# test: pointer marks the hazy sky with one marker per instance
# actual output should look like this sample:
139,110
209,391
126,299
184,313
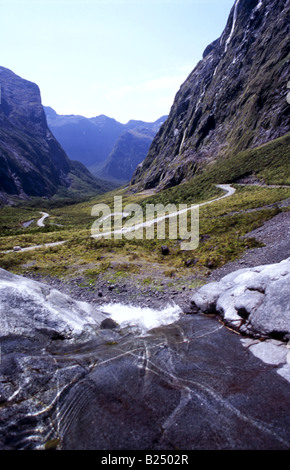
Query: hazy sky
122,58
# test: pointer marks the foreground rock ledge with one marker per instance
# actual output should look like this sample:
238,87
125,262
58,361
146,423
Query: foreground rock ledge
69,380
35,311
254,300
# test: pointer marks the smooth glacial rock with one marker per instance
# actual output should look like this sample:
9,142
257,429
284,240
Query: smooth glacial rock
30,309
273,316
206,297
247,303
259,295
68,383
270,352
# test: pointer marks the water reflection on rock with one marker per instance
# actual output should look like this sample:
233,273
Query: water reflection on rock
188,385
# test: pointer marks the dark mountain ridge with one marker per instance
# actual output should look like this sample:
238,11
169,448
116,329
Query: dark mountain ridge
235,98
32,162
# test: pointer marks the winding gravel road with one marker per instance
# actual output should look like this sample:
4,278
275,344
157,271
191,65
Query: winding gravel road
137,226
226,187
40,222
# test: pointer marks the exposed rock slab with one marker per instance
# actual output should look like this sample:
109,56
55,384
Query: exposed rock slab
30,309
66,382
255,299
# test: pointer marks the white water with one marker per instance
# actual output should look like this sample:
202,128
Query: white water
142,318
233,25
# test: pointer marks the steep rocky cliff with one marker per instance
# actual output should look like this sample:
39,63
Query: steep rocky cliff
235,98
32,162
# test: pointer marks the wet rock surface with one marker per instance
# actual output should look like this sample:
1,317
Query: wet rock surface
256,300
193,384
181,392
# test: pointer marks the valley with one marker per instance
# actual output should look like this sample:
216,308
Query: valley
145,361
110,150
115,332
136,271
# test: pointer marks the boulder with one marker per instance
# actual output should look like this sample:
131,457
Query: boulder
109,324
29,309
258,298
165,250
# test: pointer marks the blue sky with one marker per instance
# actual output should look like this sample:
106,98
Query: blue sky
122,58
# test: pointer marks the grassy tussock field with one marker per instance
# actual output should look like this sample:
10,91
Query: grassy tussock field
222,225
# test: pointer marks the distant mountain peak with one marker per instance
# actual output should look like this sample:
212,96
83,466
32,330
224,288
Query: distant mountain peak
109,149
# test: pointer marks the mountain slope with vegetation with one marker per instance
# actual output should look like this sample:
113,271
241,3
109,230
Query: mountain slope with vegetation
258,172
233,101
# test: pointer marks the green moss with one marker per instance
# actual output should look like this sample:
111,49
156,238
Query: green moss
52,444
